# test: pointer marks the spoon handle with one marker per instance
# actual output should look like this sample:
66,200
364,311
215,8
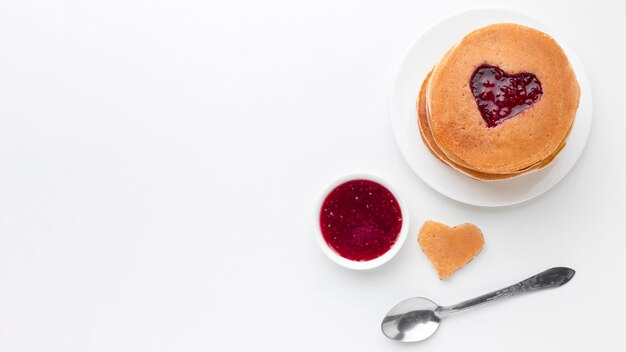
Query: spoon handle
550,278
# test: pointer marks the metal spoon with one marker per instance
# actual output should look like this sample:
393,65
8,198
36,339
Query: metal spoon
417,318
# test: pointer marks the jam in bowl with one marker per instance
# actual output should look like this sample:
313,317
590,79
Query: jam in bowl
362,222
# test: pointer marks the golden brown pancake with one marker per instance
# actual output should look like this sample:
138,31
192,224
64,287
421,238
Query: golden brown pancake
449,248
450,156
456,161
526,140
428,140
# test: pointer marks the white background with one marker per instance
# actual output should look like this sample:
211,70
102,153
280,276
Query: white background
160,162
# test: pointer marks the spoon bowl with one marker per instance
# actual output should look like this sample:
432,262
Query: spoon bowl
414,319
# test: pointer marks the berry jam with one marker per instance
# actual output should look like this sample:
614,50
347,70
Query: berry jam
501,96
360,220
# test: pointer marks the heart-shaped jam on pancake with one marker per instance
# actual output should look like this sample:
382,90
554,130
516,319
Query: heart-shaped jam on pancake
500,95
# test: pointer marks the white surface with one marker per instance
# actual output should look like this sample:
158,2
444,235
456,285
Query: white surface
422,56
160,162
369,264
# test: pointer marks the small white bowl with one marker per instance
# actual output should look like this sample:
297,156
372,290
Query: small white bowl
369,264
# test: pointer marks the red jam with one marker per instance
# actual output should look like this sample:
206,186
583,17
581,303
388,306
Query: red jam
501,96
360,220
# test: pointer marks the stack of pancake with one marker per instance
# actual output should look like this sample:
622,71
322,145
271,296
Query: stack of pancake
500,103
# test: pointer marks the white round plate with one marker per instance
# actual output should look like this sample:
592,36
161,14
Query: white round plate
422,56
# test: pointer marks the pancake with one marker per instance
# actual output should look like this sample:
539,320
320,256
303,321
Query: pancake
456,162
528,139
432,146
450,156
449,248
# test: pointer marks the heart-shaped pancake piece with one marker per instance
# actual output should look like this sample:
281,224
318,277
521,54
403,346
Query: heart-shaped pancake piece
449,248
500,96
